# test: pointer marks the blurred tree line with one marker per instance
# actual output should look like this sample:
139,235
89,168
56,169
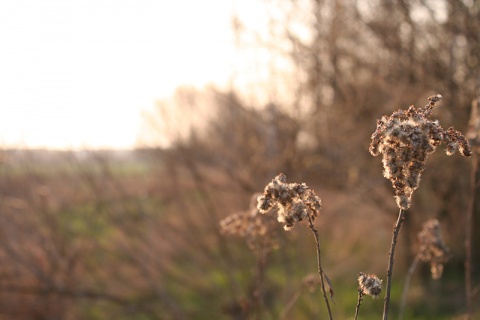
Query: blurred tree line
349,62
92,237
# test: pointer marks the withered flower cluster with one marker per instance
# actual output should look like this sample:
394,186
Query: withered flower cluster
311,282
369,284
405,139
293,202
432,248
258,230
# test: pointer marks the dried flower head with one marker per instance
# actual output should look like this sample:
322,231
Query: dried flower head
311,282
258,230
369,284
432,248
405,139
293,202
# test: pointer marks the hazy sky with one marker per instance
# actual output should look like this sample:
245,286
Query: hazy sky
77,73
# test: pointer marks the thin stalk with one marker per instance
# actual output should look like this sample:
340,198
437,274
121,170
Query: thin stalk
474,182
359,302
391,255
408,278
257,294
291,302
320,269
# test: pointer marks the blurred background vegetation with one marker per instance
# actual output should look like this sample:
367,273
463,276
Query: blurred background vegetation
135,234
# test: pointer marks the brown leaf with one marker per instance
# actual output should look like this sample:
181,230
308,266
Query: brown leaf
330,287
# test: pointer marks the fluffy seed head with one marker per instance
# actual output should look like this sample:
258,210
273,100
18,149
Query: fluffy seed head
258,230
405,139
432,248
369,284
311,282
293,202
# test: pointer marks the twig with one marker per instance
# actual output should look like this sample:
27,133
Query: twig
257,294
396,230
408,278
320,270
359,302
474,181
291,302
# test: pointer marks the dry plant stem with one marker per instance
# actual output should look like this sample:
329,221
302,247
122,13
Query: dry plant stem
475,183
408,278
259,281
320,269
291,302
396,231
359,302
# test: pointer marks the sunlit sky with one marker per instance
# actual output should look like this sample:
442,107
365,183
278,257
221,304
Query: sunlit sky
77,73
